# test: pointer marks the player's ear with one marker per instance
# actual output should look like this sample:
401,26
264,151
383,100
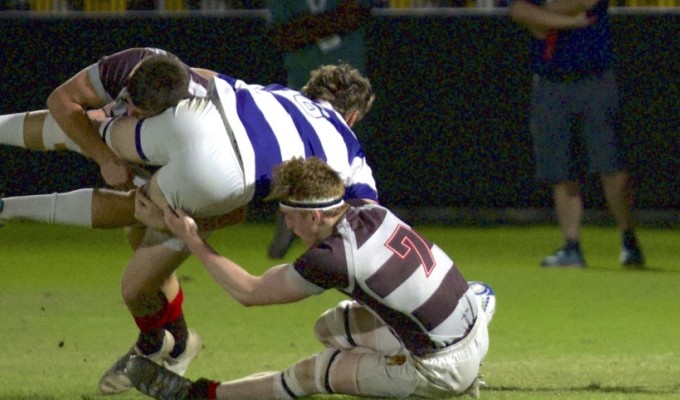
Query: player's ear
317,217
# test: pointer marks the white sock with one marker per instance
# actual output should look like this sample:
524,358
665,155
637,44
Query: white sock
54,138
72,208
12,129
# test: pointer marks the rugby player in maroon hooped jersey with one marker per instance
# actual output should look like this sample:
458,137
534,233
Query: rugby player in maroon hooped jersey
412,325
138,82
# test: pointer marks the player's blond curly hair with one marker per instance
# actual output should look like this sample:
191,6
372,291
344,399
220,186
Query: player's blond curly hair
306,180
342,86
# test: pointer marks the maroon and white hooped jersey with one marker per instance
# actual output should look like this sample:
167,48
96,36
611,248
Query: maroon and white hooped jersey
406,280
110,74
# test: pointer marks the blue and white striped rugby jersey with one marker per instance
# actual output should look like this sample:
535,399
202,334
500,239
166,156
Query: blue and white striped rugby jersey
274,123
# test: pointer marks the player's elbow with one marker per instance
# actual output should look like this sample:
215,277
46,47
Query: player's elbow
248,290
56,101
247,296
247,300
254,298
53,100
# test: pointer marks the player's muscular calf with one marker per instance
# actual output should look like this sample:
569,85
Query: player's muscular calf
113,209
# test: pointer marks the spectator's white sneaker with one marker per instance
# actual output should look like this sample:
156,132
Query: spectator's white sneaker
115,380
180,363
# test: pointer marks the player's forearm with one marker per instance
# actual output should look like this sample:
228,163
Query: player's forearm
74,121
234,280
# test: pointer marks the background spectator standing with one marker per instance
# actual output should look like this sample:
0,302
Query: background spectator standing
310,33
575,107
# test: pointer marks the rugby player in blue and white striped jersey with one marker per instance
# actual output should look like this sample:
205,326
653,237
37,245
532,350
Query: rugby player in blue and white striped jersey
216,154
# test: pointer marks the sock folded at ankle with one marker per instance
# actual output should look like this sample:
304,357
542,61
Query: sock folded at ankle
150,342
203,389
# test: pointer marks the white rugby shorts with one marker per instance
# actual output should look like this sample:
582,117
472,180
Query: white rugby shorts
390,371
201,172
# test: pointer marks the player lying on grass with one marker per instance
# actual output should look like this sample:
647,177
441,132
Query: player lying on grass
216,155
413,326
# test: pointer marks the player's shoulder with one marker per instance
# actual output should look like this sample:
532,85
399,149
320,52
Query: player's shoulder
135,53
120,64
365,216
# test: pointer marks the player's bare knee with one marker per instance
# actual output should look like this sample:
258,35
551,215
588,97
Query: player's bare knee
140,301
322,332
130,294
135,294
332,327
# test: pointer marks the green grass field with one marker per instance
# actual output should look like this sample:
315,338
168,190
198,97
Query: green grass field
598,333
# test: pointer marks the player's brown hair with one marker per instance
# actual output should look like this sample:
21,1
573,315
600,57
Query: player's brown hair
306,180
342,86
158,82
